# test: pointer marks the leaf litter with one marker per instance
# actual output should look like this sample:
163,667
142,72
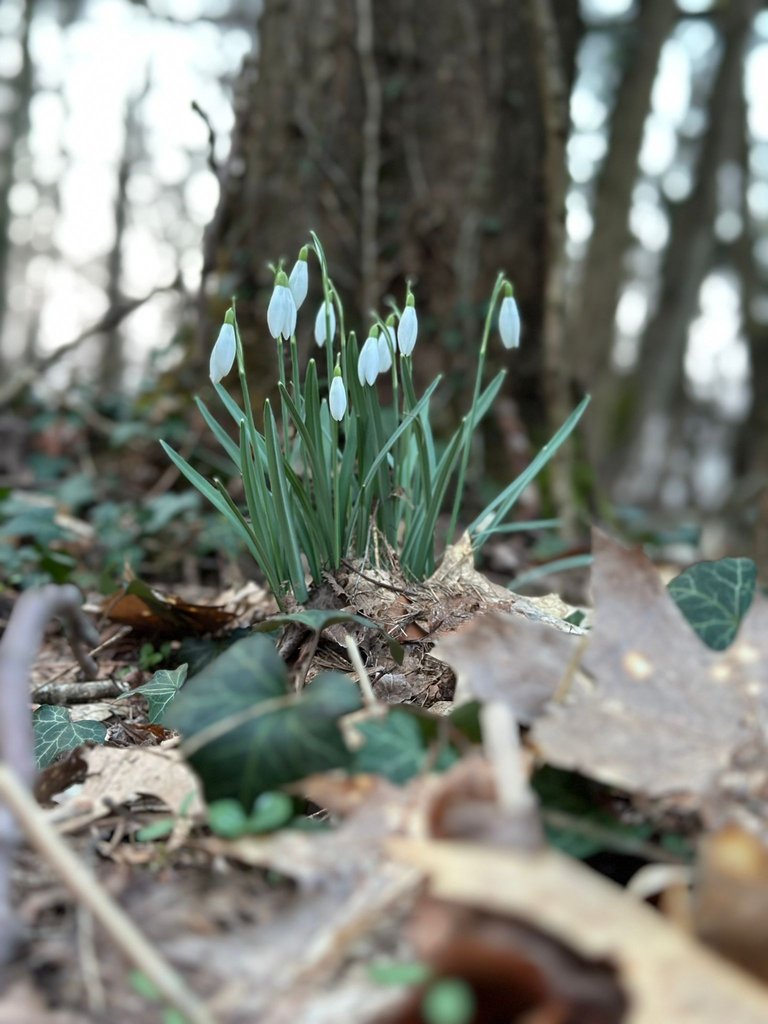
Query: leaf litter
437,869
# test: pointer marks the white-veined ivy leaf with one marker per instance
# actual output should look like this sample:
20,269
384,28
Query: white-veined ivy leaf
714,597
160,690
258,733
56,733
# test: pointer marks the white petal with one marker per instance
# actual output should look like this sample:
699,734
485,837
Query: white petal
407,330
337,399
368,361
298,282
320,338
281,313
223,353
509,323
385,353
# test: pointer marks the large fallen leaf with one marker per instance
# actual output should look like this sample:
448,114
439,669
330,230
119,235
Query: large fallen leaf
151,612
669,978
508,657
661,713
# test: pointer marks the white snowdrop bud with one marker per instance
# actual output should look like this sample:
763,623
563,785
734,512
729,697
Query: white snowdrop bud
509,320
298,282
281,313
326,315
408,327
337,397
223,353
368,361
386,344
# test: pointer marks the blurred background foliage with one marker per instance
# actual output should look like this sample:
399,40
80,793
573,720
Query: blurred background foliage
611,156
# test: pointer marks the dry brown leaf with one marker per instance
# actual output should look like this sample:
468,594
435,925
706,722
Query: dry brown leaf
20,1003
118,776
501,656
514,971
665,714
668,977
730,897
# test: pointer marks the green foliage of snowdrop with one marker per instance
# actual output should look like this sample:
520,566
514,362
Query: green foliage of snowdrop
330,472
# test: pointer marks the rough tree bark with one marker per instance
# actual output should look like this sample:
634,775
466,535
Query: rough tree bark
410,136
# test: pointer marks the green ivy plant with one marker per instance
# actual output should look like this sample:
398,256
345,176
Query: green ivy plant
329,471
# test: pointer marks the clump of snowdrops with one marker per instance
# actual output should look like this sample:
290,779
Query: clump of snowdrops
334,474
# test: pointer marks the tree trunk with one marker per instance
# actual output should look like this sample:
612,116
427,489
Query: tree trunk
410,136
603,271
658,378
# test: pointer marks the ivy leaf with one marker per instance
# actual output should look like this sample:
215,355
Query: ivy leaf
714,597
318,619
398,748
266,735
160,690
55,733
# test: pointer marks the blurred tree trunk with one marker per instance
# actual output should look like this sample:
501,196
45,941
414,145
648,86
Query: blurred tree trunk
411,137
18,125
657,382
603,273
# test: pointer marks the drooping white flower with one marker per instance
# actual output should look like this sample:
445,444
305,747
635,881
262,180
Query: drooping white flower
298,282
368,360
281,312
337,397
509,321
223,353
408,327
386,344
325,315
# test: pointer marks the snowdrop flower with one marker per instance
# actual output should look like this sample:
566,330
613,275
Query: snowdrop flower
408,327
368,361
281,313
298,282
223,353
326,312
337,396
386,345
509,320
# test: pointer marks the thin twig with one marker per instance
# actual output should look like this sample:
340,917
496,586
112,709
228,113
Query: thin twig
501,743
369,697
213,165
32,371
18,650
89,892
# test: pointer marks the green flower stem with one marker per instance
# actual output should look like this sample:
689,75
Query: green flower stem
338,519
472,412
242,377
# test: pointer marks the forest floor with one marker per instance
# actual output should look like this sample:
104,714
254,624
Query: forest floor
534,811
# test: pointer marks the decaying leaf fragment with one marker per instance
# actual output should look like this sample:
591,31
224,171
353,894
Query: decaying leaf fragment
730,897
666,975
507,657
661,713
